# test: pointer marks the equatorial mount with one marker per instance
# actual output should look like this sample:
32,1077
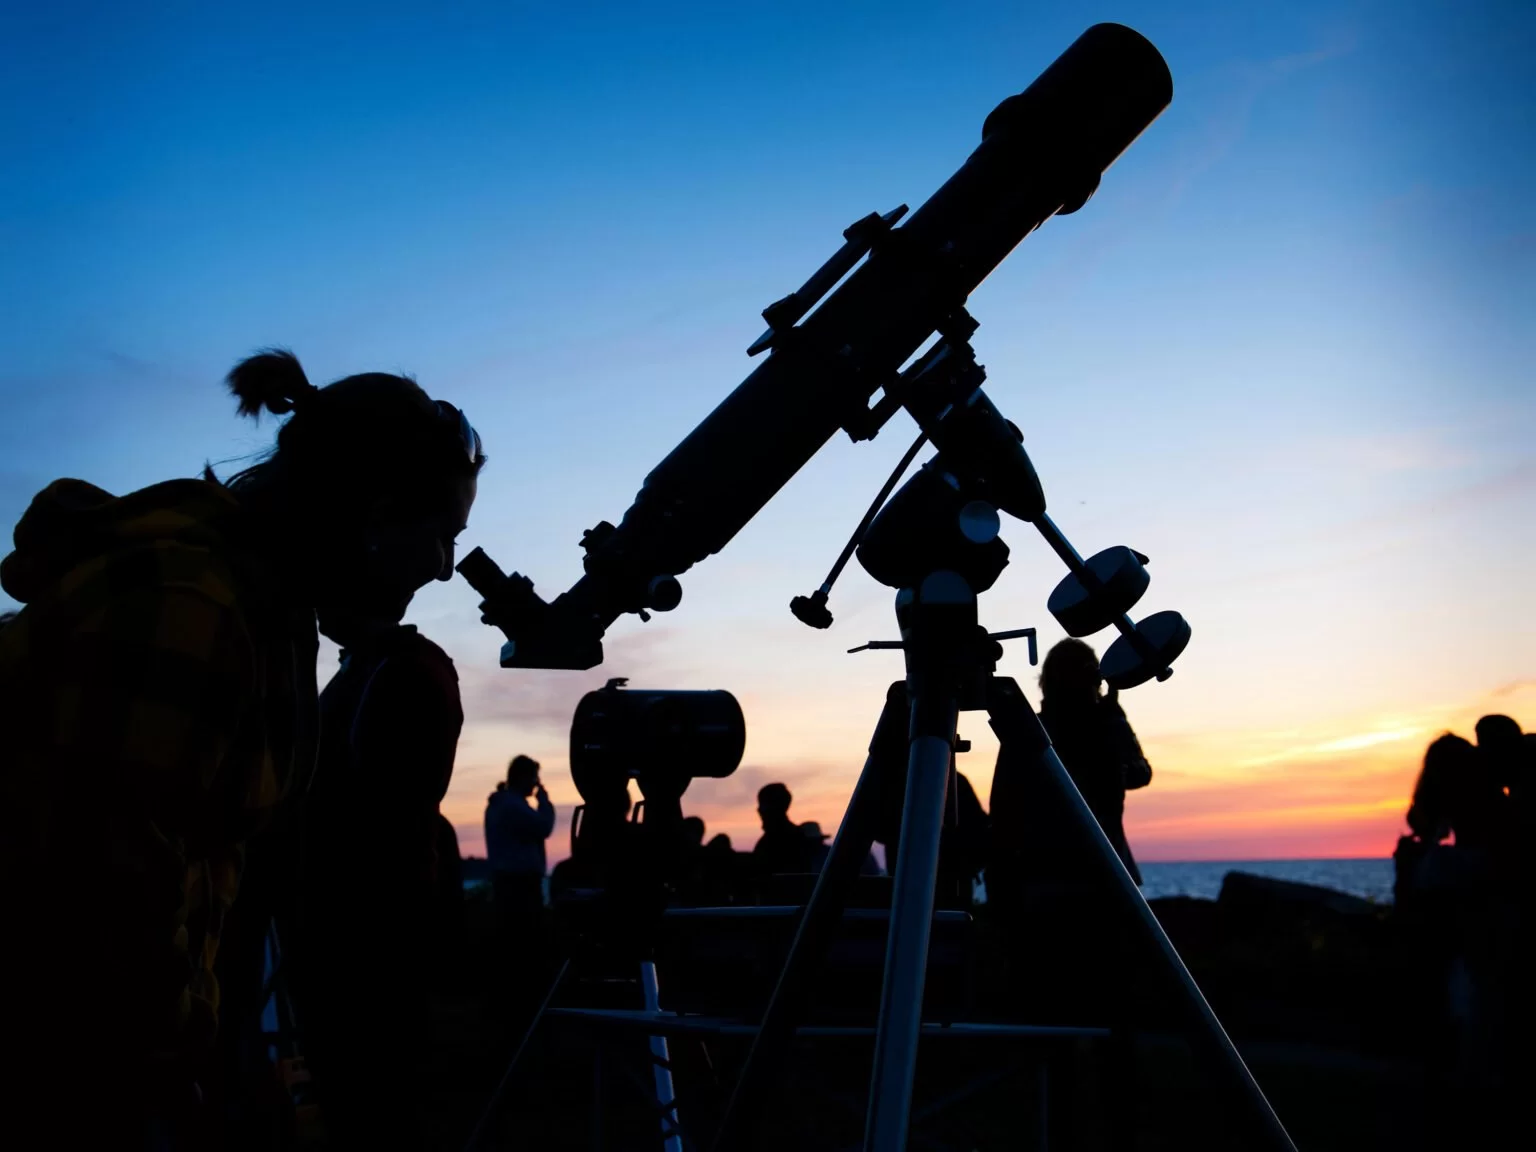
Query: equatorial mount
949,508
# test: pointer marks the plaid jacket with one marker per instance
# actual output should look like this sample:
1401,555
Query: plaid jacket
155,700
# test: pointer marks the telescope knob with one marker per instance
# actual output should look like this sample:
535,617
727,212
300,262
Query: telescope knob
1155,644
1082,609
663,594
812,609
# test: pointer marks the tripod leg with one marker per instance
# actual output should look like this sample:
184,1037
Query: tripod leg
1020,730
493,1105
906,948
763,1071
661,1065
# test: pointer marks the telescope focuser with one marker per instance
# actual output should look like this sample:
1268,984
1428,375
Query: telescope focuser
539,634
658,594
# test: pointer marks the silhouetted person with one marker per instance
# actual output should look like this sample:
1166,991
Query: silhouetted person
1060,937
817,840
515,831
782,847
962,844
690,855
1501,742
1438,799
1093,738
1480,819
158,687
1456,910
449,933
365,958
1429,822
722,872
1509,763
1522,788
820,849
1510,756
693,882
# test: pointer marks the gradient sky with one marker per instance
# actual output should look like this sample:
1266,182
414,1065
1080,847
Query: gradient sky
1286,349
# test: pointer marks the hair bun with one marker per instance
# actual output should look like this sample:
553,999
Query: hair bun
272,380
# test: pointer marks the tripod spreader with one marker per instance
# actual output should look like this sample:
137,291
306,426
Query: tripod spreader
1012,634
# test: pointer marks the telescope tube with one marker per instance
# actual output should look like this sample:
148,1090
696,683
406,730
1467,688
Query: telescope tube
1042,153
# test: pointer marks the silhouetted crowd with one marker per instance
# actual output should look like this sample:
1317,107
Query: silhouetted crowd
1462,893
237,904
276,898
706,872
251,897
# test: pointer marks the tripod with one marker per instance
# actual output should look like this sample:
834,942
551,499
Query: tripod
620,925
937,543
950,661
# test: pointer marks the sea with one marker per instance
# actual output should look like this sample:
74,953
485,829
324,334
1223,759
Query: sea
1369,878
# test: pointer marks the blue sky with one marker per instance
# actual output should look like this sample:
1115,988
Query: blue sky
1286,349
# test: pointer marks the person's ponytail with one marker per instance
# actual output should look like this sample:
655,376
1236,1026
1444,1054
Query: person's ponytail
348,445
270,381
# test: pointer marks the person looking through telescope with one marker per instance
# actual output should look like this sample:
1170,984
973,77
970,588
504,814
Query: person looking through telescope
159,700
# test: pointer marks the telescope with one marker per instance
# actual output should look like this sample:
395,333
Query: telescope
832,346
858,327
662,740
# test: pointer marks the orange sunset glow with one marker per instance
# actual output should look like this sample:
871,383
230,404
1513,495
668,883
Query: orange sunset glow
1339,791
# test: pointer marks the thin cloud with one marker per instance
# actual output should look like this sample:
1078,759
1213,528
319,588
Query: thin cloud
1227,129
1222,132
1368,455
132,365
1351,743
1511,483
1513,688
